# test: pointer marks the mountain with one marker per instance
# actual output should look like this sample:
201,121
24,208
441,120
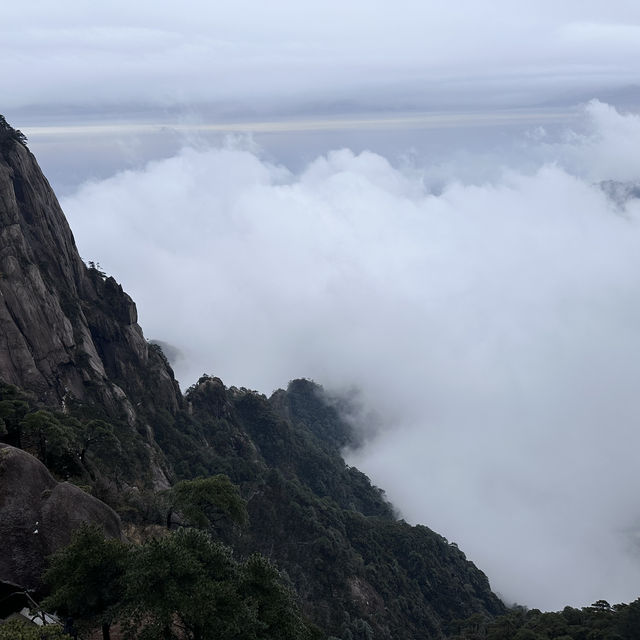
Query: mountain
84,392
66,329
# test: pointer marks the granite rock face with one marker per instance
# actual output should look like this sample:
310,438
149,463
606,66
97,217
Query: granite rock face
39,515
66,329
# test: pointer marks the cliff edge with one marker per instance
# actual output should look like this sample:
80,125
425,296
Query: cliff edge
66,330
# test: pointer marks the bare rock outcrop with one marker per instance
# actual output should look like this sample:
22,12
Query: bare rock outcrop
66,329
39,515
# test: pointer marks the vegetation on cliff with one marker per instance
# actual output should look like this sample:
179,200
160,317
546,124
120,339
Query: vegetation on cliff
600,621
358,571
182,585
9,135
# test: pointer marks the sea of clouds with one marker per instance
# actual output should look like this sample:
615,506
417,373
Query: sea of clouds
491,323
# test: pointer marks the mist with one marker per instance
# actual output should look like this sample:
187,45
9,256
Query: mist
490,323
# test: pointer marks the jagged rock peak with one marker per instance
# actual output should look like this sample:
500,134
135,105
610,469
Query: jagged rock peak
66,330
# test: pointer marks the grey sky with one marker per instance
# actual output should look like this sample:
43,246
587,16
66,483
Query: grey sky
248,56
410,201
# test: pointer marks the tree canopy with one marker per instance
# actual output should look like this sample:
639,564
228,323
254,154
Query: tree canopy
600,621
184,585
19,630
206,502
87,578
8,134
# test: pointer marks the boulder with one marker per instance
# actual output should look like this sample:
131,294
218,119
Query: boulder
38,516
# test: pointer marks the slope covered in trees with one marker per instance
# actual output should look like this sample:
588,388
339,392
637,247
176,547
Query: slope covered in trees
357,570
600,621
182,585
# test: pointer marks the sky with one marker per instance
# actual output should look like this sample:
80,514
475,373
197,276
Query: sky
435,204
247,57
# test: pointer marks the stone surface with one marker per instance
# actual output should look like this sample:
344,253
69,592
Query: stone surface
65,329
39,515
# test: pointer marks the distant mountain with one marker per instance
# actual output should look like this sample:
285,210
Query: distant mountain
82,390
620,192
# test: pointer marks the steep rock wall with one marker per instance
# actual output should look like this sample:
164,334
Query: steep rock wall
66,329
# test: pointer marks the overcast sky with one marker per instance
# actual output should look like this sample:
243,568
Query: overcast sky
244,56
416,199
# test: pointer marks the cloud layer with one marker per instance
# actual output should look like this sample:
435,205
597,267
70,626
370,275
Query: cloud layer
492,326
257,56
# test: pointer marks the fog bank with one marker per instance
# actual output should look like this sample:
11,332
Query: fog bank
488,314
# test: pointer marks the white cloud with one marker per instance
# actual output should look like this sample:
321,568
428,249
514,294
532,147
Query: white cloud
608,142
493,327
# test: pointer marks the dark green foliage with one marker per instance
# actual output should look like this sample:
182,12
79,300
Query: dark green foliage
184,585
207,502
356,568
600,621
52,440
305,403
18,630
81,444
96,436
87,578
273,605
322,521
49,435
185,580
14,406
394,576
157,350
300,453
10,136
95,269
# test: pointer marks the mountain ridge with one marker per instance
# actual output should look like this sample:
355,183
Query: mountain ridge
86,393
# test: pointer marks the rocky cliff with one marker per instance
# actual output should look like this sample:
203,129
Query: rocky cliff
39,515
66,330
68,333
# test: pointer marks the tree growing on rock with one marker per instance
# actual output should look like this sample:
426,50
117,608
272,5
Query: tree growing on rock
9,135
87,579
206,503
